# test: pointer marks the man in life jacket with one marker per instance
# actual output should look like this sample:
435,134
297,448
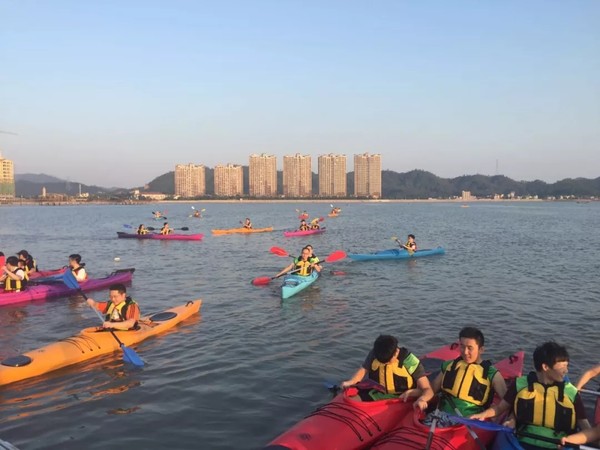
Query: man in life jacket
396,369
410,245
542,403
303,265
314,224
166,229
121,312
467,384
13,278
142,229
247,224
77,267
303,226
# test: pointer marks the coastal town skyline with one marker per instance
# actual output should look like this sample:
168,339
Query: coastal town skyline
116,93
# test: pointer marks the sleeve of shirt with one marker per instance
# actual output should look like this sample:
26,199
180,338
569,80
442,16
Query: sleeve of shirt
419,372
102,307
580,413
368,361
133,312
511,395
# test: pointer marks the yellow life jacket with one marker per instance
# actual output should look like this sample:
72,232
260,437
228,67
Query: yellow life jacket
11,285
118,313
397,378
468,382
304,266
544,410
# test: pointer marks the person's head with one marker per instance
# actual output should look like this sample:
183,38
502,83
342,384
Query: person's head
23,254
310,247
247,219
411,237
117,293
141,226
303,222
471,344
166,224
306,253
12,262
552,359
385,348
75,257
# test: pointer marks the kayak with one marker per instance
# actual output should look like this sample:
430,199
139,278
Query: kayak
161,237
349,423
57,288
395,253
332,215
242,230
44,274
411,433
7,446
303,232
292,284
89,343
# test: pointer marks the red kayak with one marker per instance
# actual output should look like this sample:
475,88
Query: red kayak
303,232
412,434
57,288
348,423
162,237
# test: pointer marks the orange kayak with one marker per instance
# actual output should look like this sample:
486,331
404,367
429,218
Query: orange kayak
242,230
89,343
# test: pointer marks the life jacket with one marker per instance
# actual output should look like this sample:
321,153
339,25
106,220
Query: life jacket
315,226
397,378
11,285
411,245
467,385
304,266
118,313
76,271
142,231
304,227
544,410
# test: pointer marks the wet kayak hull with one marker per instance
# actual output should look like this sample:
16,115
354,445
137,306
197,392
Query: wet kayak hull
395,253
292,284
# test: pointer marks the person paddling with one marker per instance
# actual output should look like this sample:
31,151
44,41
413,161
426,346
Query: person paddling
410,245
77,267
303,265
396,369
303,226
247,224
142,229
121,312
166,229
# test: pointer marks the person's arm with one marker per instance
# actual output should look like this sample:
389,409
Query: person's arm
19,276
317,267
583,437
424,391
436,385
587,376
492,411
499,385
358,376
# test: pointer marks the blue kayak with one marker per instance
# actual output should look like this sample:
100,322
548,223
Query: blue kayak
395,253
292,284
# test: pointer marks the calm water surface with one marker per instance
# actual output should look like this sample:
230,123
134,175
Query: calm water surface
250,366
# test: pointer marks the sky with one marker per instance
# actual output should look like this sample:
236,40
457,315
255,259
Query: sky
117,92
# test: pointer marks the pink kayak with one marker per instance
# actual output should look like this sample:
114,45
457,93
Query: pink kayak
348,423
303,232
57,288
161,237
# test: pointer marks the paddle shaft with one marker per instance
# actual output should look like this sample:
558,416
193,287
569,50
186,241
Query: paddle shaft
469,429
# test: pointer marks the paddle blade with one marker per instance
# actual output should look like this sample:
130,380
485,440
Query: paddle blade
131,357
193,207
150,228
69,279
261,281
321,219
126,225
278,251
336,256
338,272
184,228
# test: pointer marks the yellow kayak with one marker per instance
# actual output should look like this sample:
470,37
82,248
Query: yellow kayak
89,343
242,230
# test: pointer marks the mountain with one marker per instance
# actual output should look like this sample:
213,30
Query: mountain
416,184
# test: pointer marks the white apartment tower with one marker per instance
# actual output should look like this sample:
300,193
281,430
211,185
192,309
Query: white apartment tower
297,176
262,176
190,180
332,176
367,175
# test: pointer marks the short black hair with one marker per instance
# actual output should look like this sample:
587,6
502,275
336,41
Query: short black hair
118,287
76,257
411,236
384,347
12,260
549,353
472,333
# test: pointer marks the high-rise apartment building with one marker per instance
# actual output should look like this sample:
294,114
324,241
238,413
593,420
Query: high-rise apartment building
7,178
262,176
229,180
297,176
190,180
332,176
367,175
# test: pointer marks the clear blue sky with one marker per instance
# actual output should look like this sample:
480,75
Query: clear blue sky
117,92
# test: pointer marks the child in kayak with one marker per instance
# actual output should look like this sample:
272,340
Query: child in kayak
543,403
467,384
142,229
408,378
303,265
166,229
247,224
14,278
303,226
121,312
77,267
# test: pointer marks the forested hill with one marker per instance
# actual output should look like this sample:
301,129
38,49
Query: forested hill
416,184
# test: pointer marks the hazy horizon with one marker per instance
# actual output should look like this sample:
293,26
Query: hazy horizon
121,92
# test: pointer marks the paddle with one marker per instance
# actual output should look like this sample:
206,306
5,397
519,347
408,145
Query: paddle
129,355
469,429
363,384
182,228
409,250
434,420
261,281
159,215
